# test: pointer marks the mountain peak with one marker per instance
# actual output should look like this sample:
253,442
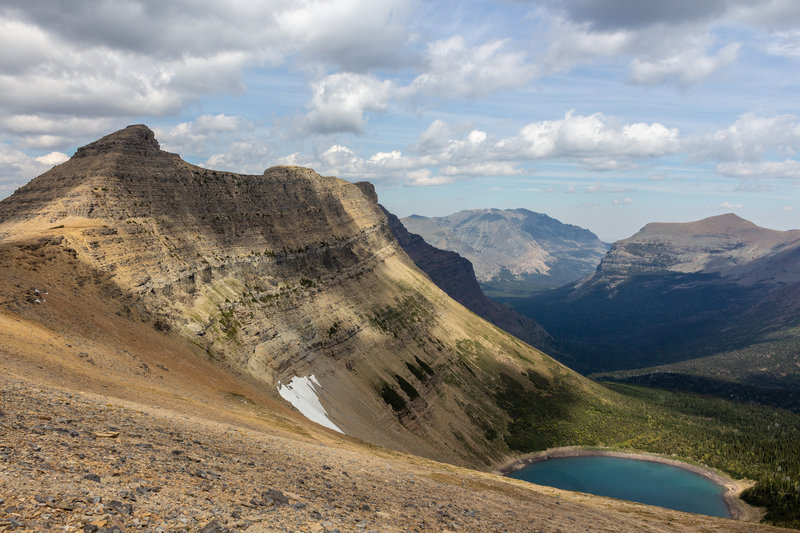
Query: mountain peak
726,221
726,224
136,139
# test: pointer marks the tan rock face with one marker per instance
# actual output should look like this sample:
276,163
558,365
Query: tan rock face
288,274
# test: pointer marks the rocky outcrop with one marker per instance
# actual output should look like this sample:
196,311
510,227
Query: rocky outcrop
455,276
515,252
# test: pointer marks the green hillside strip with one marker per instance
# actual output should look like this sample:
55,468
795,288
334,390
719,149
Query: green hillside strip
744,440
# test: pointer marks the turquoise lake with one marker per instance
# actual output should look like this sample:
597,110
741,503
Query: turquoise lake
632,480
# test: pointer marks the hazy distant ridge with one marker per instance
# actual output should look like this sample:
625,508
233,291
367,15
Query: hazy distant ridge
514,252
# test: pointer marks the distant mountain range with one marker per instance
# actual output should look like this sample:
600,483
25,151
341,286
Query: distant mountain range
712,306
515,252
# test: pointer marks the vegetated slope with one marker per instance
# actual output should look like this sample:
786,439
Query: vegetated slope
290,278
721,289
455,276
515,252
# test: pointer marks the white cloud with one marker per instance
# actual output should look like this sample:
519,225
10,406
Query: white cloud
17,168
492,168
206,130
789,168
750,138
784,44
104,58
52,159
446,152
425,178
728,205
623,201
340,100
455,70
571,44
686,67
248,156
592,139
787,209
354,35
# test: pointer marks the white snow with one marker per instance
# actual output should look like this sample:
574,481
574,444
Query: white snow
301,392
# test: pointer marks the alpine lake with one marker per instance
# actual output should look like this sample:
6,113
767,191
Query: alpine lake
630,479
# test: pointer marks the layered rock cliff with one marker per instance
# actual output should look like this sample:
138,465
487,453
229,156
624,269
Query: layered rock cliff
289,278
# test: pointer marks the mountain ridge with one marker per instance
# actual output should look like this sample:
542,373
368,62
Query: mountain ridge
515,252
283,275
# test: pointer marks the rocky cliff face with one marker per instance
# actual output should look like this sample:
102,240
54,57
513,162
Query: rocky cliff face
515,252
289,278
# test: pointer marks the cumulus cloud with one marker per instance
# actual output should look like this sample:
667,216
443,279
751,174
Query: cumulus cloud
17,168
570,44
674,43
445,152
354,35
787,209
753,147
622,201
750,138
455,69
686,67
591,139
789,168
195,136
425,178
247,156
340,100
728,205
104,58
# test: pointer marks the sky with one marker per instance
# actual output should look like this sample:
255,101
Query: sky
608,114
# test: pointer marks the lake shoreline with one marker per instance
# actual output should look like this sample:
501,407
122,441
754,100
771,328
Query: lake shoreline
739,509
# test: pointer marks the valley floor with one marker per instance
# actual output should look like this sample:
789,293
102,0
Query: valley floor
78,461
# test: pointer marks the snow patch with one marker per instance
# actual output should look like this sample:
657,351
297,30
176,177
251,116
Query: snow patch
301,392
